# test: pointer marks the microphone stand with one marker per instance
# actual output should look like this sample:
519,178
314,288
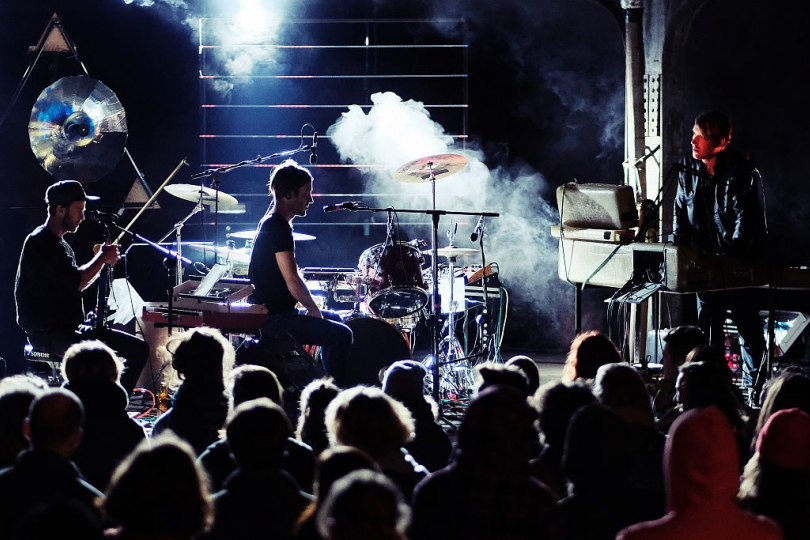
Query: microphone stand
177,231
435,307
659,198
485,315
217,172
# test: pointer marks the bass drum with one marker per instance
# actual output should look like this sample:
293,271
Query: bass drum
376,346
393,276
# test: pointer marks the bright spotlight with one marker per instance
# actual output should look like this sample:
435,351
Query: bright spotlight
254,20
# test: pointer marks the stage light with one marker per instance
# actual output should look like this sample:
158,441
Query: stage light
254,20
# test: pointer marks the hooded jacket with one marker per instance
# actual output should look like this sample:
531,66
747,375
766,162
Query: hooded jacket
701,468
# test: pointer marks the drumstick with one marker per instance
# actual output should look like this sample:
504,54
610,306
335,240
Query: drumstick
151,200
125,230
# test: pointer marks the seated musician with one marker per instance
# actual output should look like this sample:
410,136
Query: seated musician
274,273
717,211
49,284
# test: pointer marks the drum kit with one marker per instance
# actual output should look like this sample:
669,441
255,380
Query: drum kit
392,285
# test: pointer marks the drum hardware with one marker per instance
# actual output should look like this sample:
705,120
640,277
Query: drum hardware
488,339
455,371
432,319
202,197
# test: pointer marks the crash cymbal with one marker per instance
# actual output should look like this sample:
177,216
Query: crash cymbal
418,170
452,251
78,129
196,194
250,235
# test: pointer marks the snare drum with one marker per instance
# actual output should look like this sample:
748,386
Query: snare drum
393,277
376,346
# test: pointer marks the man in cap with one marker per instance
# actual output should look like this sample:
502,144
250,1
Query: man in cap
49,284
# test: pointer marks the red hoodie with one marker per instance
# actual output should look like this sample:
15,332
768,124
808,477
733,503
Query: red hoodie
701,473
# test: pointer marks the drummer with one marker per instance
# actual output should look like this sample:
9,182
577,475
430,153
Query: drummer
274,273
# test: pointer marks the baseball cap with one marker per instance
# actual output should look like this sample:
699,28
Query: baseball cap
67,191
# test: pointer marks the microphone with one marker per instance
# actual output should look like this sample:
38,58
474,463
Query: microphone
479,228
348,205
98,215
689,170
313,148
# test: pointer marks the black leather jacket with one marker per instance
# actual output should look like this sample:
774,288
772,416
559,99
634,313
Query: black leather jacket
720,214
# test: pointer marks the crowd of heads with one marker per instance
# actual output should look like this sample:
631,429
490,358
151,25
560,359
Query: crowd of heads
608,450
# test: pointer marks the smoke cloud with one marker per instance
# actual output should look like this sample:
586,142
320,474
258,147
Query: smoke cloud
233,34
394,132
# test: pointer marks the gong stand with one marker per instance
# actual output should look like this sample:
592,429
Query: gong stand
435,309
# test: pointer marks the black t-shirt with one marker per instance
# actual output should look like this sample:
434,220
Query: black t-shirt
274,236
46,288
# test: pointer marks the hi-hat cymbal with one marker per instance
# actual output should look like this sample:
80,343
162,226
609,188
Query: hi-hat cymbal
197,194
418,171
250,235
77,129
452,251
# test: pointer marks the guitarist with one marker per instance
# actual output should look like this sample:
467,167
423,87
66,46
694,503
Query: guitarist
49,284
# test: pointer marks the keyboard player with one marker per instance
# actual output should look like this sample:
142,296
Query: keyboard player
274,273
717,211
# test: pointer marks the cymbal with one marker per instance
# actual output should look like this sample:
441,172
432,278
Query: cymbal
223,252
451,251
78,129
418,170
196,194
250,235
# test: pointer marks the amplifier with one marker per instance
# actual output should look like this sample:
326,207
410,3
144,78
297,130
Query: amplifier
597,206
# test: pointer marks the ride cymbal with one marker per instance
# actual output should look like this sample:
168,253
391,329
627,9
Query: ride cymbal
418,171
201,194
78,129
250,235
224,253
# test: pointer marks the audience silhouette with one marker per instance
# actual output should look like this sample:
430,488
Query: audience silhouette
164,471
199,407
259,499
44,473
585,457
246,383
92,371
